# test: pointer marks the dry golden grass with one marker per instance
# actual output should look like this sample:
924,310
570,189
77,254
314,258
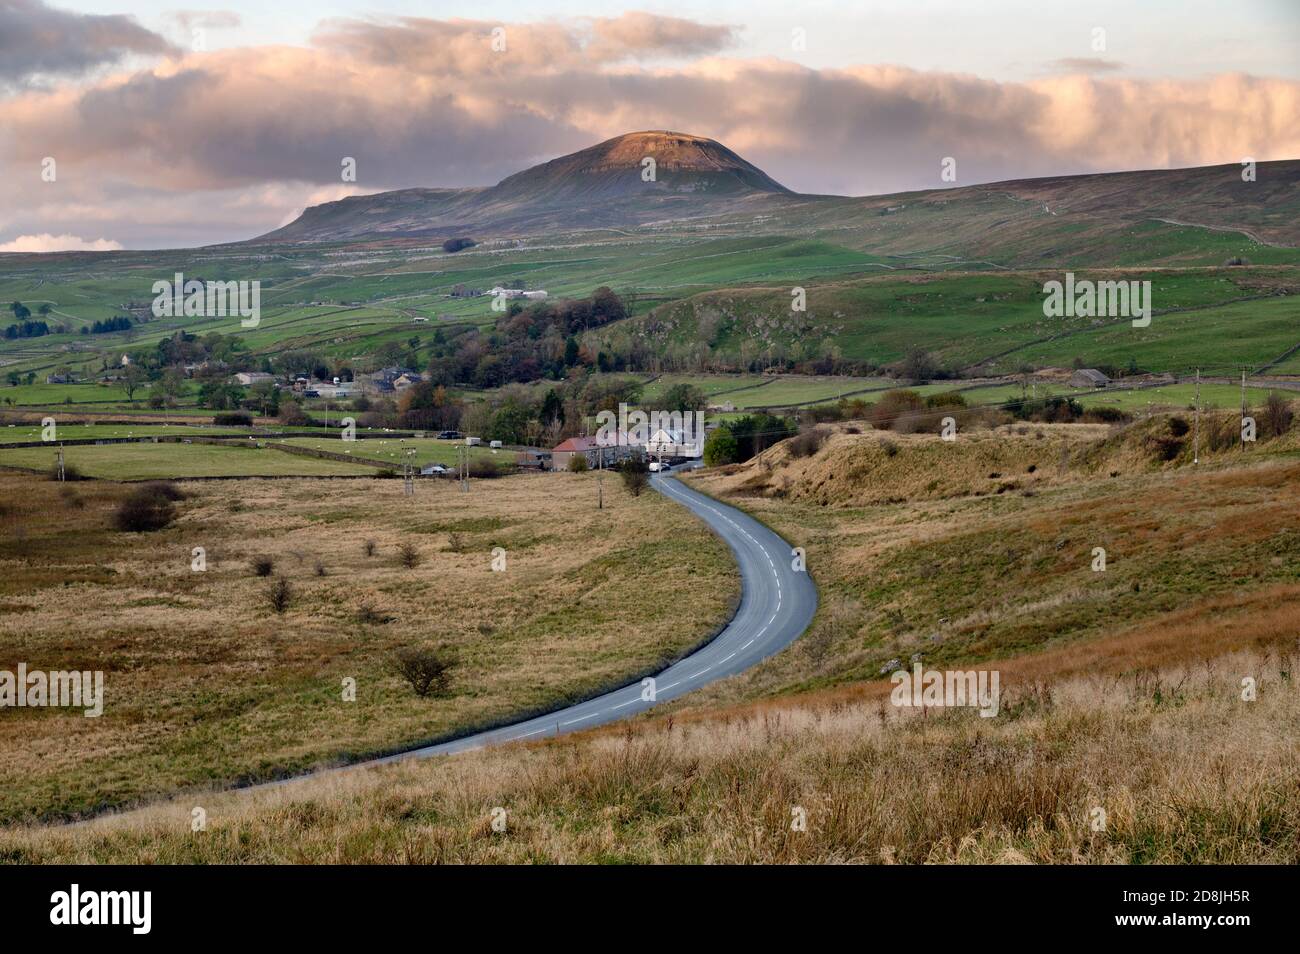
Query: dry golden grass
206,685
873,468
1184,769
974,577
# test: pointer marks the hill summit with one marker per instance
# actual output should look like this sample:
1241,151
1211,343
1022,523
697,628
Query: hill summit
610,184
640,163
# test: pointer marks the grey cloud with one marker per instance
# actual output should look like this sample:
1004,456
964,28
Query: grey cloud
1086,64
36,38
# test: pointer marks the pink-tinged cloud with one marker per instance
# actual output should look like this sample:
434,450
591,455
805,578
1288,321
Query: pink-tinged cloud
422,102
39,39
45,242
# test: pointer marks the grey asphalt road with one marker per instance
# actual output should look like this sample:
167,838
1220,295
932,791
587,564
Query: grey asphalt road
777,603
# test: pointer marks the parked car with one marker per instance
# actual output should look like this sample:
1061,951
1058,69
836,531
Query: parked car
449,435
657,466
434,470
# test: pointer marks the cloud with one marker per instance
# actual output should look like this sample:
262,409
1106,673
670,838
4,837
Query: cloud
227,144
45,242
483,47
205,19
643,34
1086,64
38,39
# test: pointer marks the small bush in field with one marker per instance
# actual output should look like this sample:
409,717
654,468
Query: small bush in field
263,565
143,511
280,595
409,554
808,443
1278,415
168,489
426,670
370,548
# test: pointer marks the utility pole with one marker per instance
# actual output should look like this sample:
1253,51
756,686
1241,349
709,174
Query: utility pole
408,476
600,477
1243,408
1196,426
462,459
61,472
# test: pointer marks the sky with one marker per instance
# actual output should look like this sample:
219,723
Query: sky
149,125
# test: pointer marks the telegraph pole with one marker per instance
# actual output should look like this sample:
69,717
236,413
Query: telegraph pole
1243,408
600,477
1196,426
61,471
408,475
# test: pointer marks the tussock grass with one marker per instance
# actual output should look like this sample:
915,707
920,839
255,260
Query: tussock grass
958,579
1185,770
208,681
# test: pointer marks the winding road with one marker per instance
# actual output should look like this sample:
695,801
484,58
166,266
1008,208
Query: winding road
777,603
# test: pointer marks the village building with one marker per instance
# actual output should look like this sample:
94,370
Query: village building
592,449
249,378
1089,378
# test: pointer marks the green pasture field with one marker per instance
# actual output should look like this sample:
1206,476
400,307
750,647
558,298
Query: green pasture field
148,461
393,449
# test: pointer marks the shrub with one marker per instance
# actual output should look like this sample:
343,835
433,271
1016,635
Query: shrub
578,463
369,547
456,542
1106,415
635,472
1278,414
263,565
484,468
233,419
292,414
409,555
426,670
635,481
889,447
456,244
1221,433
945,399
144,510
168,489
721,448
885,413
320,569
808,443
280,595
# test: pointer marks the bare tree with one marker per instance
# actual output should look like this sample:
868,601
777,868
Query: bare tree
426,669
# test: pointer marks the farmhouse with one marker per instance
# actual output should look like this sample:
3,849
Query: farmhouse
498,292
591,449
670,442
386,379
1088,378
248,378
